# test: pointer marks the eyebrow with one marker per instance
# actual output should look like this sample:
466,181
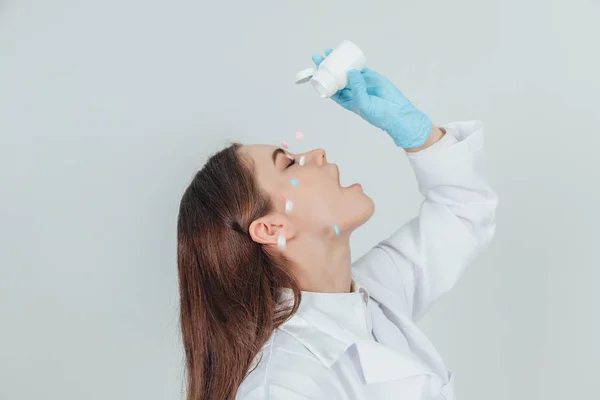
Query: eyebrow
276,153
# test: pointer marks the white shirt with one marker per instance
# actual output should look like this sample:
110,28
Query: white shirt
365,344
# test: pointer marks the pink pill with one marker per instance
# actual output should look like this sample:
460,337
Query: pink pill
299,135
284,144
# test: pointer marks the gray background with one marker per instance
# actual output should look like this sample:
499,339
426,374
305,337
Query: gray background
108,107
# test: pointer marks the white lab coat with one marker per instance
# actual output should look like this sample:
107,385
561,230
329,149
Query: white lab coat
365,344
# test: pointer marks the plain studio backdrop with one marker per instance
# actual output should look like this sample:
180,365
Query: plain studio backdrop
107,108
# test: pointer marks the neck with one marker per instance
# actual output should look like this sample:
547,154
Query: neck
323,266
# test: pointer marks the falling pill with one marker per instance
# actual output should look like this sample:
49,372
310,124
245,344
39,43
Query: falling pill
281,242
299,135
284,144
288,206
295,182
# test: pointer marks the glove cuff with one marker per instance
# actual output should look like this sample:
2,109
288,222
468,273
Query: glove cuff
414,130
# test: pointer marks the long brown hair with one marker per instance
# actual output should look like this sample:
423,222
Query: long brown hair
229,285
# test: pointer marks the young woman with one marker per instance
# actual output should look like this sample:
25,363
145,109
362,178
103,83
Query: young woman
271,306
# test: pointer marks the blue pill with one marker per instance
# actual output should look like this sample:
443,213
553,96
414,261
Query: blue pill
295,182
336,229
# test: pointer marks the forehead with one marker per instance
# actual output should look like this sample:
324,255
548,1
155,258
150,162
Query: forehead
258,152
260,157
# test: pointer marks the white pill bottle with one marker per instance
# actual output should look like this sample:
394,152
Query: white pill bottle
332,74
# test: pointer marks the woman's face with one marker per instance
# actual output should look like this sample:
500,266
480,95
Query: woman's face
318,200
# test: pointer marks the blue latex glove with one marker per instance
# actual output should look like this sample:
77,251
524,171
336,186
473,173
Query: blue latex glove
379,102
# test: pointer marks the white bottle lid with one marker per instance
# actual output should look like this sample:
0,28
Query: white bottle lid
305,75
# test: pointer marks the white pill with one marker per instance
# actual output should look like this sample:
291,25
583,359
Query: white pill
281,242
302,160
288,206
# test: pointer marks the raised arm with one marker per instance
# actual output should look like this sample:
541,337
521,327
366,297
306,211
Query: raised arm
425,257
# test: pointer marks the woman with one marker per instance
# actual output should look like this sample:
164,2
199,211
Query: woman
271,307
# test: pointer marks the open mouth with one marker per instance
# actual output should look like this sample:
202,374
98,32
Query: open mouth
337,170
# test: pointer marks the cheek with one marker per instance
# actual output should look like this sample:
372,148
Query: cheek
315,203
318,202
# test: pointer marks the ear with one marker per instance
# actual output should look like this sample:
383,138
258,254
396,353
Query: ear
267,229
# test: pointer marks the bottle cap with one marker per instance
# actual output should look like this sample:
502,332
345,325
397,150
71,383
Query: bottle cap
305,75
325,83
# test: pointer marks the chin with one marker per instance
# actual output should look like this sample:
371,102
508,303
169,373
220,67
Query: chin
369,208
362,211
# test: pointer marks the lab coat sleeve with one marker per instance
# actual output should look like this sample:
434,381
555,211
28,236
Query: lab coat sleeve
424,258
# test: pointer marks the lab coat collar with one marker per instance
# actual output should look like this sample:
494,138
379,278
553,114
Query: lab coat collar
328,341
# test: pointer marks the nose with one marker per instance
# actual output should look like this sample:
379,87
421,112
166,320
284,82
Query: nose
318,156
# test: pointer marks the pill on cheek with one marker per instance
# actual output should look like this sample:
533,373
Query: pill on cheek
288,206
295,182
336,229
